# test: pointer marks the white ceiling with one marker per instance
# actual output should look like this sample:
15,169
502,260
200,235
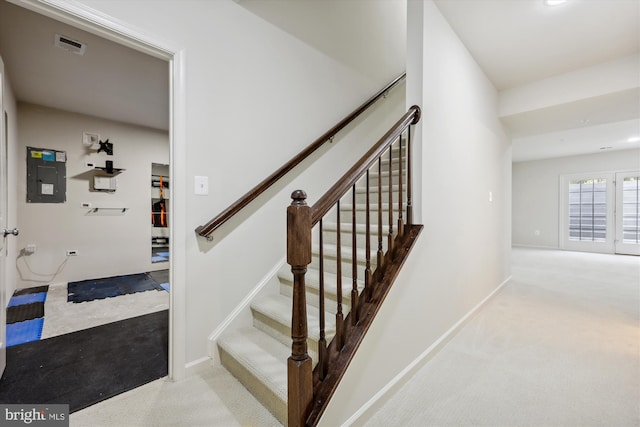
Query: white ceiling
521,42
516,42
108,81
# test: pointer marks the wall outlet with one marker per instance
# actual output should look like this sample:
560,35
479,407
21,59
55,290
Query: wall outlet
30,249
72,252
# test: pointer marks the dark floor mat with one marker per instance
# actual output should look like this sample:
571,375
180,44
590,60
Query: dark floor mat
35,290
89,290
88,366
160,276
20,313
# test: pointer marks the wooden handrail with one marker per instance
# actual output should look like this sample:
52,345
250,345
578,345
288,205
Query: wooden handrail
326,202
207,229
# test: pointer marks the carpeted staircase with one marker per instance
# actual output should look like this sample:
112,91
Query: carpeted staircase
257,355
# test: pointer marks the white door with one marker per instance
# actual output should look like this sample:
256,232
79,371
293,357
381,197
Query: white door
628,213
3,224
587,207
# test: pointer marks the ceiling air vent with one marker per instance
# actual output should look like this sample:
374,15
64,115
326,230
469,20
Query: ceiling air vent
69,44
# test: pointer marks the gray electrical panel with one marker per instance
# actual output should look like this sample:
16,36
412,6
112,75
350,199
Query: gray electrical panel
46,175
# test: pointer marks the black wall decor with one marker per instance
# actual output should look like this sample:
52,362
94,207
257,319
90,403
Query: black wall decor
107,147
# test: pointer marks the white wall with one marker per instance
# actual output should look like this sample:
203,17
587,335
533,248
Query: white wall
353,33
107,245
255,96
536,192
463,252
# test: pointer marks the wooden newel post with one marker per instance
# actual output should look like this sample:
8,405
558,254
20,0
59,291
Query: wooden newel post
299,365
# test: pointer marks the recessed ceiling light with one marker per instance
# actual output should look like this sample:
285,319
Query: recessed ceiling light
554,2
634,139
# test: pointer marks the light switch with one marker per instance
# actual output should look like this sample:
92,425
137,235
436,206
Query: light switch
201,185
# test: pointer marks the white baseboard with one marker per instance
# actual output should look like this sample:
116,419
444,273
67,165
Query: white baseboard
428,354
213,337
197,366
521,245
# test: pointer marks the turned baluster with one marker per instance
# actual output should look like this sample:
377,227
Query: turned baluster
368,292
354,260
339,316
322,342
400,220
390,207
380,251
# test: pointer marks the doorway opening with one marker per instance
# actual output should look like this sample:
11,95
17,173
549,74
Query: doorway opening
90,211
600,212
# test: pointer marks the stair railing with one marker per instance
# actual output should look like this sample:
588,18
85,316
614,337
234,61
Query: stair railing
207,229
310,390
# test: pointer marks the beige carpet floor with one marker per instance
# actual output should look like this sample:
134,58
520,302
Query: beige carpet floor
558,346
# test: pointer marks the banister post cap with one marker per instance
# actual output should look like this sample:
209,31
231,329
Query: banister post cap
299,197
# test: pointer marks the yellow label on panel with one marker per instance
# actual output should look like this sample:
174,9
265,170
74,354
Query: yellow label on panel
36,154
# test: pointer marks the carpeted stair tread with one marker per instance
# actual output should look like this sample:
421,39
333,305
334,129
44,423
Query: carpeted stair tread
331,250
362,207
373,190
312,281
345,227
278,309
259,362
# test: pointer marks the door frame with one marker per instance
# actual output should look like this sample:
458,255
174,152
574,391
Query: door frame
586,246
613,223
3,223
102,25
619,246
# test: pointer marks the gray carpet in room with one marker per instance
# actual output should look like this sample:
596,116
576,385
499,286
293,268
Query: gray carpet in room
558,346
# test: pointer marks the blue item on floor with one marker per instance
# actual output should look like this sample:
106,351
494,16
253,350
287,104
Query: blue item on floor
159,259
24,332
89,290
165,286
27,299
